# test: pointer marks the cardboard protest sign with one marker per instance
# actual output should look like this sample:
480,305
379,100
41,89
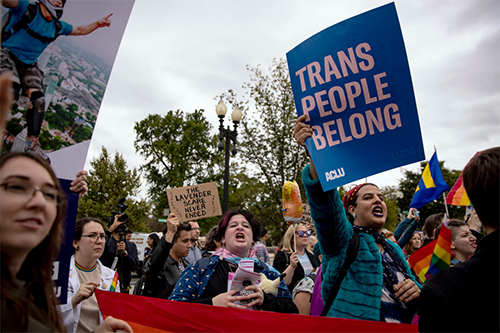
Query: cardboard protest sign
194,202
352,81
306,215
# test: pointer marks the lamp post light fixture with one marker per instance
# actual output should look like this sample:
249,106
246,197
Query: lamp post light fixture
228,135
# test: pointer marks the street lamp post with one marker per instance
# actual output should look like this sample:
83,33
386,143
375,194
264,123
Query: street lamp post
229,135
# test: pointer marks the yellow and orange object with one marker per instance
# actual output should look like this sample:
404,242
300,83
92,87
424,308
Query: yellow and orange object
292,204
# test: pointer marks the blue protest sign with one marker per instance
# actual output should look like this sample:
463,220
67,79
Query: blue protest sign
60,267
352,81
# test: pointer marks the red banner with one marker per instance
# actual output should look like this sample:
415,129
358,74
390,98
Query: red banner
146,314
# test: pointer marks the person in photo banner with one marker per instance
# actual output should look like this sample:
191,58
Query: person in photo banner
29,29
378,284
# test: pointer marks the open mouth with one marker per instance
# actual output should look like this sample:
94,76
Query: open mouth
240,237
378,211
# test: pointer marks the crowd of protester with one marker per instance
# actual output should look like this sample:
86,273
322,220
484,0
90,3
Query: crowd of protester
346,266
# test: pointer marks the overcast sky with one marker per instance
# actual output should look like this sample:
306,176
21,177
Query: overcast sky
181,54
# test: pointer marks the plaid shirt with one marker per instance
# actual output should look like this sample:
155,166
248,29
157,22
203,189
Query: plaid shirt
261,251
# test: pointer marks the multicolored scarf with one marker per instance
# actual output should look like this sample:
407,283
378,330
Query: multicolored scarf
223,253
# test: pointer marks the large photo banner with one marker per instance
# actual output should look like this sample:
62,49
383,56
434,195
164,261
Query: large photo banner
352,81
61,67
60,60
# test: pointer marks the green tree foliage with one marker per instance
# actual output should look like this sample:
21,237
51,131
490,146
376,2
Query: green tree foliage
178,151
109,180
268,151
390,197
409,183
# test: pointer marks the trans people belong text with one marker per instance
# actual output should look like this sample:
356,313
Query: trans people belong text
338,99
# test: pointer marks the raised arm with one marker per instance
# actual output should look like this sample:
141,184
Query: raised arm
327,211
155,264
400,229
91,27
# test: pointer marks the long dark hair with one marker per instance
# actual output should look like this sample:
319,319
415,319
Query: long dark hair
155,239
37,267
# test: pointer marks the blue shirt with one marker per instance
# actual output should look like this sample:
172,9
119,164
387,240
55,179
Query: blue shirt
25,47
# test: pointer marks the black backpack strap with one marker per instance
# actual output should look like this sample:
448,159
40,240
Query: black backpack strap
28,16
351,253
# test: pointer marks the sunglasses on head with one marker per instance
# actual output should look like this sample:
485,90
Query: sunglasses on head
304,233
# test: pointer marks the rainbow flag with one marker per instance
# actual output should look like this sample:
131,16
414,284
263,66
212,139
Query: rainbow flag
457,195
441,255
420,261
114,283
432,258
147,314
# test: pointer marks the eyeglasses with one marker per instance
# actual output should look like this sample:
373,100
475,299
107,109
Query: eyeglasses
93,237
304,233
26,191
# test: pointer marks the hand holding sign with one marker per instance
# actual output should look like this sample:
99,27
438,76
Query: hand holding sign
302,131
172,224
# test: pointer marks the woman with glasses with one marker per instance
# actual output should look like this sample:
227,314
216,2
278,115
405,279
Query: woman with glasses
86,273
294,259
32,209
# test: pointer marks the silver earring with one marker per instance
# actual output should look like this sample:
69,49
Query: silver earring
354,214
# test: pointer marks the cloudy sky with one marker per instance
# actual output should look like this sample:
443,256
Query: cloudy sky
181,54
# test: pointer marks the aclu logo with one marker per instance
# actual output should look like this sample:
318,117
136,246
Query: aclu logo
403,153
334,174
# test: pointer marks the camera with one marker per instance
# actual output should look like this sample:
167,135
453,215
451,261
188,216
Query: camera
123,218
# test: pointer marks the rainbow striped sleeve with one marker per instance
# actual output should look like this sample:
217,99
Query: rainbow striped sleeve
114,283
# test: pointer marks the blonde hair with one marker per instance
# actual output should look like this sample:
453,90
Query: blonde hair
288,245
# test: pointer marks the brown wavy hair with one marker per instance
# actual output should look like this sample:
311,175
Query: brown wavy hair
37,267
